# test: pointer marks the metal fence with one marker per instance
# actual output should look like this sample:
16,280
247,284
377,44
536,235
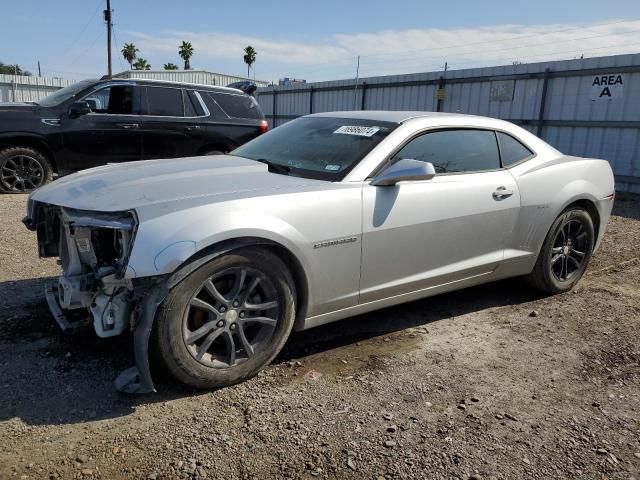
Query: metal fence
586,107
19,88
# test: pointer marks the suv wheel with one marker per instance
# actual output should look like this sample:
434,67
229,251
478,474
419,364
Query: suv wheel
23,169
227,320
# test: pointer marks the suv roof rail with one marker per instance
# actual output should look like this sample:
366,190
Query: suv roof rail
173,82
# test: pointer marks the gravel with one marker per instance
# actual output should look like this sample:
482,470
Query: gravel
550,395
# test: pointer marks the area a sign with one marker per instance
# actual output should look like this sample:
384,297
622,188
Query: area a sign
607,87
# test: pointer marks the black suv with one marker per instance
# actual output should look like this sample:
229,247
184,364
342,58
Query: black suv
94,122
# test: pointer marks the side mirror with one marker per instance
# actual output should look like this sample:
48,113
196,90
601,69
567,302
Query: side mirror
78,109
405,169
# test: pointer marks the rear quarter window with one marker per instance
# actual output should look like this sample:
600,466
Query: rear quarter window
511,150
238,106
214,109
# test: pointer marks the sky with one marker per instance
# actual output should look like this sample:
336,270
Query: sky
318,40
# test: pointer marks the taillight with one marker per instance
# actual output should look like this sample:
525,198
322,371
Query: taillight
264,126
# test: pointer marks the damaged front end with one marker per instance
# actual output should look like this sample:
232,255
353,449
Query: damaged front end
93,250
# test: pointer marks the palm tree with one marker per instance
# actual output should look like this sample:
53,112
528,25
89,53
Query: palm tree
13,70
130,53
141,64
249,57
170,66
186,52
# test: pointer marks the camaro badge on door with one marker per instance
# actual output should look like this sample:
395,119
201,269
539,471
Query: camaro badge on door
339,241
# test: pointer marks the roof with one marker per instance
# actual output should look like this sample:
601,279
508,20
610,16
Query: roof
389,116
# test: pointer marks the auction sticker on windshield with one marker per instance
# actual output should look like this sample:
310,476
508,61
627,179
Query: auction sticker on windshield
357,130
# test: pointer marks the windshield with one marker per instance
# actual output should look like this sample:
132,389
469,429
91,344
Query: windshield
60,96
317,147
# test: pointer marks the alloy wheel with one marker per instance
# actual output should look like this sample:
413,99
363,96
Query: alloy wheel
22,173
570,247
231,317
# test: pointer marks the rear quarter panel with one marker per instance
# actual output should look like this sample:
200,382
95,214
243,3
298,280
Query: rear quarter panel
547,187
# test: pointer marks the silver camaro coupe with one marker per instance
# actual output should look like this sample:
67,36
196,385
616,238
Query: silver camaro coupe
212,261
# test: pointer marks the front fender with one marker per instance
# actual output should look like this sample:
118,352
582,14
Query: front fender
164,243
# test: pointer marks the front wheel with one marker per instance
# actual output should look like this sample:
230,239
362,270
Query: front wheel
565,253
227,320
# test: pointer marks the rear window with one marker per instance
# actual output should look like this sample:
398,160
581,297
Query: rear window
238,106
164,102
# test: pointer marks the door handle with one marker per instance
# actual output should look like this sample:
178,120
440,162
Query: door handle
128,125
502,192
191,128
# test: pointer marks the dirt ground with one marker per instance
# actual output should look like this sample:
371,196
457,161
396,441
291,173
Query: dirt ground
496,382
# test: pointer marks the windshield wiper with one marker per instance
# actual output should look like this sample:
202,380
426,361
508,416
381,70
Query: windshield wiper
274,167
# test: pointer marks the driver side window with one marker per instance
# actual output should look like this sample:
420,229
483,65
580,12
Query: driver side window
454,151
115,100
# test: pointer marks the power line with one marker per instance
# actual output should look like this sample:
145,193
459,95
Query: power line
348,63
69,48
529,45
518,37
115,37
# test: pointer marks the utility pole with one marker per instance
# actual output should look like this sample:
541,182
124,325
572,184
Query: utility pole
107,18
355,90
39,70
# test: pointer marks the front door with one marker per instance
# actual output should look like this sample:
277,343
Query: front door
110,133
422,234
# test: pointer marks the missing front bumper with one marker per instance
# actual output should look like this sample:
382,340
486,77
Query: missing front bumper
67,325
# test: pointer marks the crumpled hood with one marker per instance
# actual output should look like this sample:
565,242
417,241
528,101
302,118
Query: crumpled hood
133,185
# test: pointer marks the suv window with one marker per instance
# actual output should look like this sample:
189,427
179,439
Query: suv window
212,105
511,150
164,102
453,151
192,107
191,99
238,106
116,100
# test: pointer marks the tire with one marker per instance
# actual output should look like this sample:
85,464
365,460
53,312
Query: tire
213,152
181,319
561,264
23,169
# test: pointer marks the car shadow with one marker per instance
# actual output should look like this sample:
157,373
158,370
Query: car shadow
50,378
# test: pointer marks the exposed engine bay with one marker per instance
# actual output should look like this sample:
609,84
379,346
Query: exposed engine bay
93,249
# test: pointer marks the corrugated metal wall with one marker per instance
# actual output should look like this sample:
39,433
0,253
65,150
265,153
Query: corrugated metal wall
189,76
18,88
569,118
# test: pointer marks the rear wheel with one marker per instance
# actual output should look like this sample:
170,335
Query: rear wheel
565,253
23,169
227,320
